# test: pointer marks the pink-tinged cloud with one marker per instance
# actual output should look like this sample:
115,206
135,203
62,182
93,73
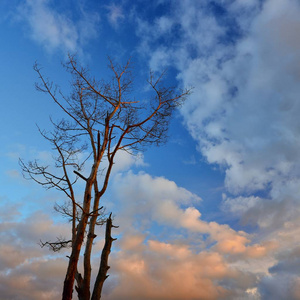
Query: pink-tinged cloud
26,270
157,270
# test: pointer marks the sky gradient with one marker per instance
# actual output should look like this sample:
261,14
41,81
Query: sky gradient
212,214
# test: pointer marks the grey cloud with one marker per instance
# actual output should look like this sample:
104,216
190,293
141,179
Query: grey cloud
279,287
290,266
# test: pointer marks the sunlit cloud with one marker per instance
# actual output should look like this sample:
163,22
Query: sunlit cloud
28,271
197,253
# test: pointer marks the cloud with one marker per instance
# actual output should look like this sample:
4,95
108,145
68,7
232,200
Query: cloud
239,205
247,123
251,130
244,65
115,14
280,287
56,30
242,58
125,161
26,270
166,251
166,271
38,279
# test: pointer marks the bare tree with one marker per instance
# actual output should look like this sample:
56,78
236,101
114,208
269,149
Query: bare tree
102,118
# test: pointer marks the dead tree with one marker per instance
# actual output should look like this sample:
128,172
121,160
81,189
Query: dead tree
101,118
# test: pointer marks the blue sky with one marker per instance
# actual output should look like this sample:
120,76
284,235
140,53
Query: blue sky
214,213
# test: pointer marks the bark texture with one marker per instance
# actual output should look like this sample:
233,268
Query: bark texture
104,267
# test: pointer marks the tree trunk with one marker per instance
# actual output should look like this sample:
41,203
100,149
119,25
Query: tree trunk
78,287
88,247
76,247
72,267
104,261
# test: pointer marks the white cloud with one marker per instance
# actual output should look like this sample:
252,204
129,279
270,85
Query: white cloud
259,127
240,204
164,24
56,30
243,111
244,114
124,161
115,14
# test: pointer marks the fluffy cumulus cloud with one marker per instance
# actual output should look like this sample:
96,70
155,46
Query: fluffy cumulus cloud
242,58
54,29
166,271
166,251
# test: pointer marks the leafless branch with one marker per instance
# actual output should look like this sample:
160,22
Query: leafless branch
101,118
56,246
